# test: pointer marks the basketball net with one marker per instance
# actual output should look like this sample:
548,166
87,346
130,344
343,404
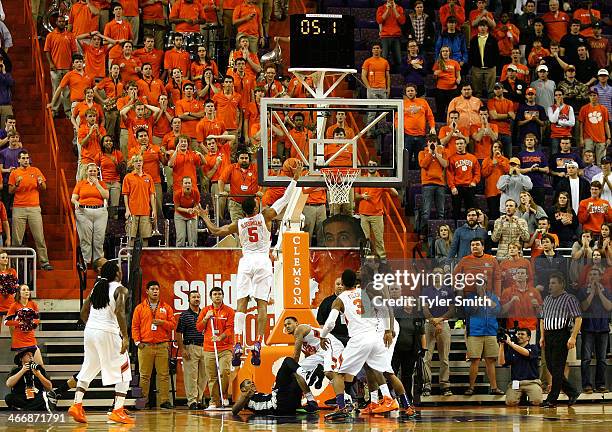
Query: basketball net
339,182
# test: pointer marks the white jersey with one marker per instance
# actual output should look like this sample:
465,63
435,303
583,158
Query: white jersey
311,343
353,313
105,318
254,235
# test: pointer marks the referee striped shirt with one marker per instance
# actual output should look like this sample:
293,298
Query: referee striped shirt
187,326
559,312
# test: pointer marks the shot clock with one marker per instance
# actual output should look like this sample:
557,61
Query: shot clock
322,41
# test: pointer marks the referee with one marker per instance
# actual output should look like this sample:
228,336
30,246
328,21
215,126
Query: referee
559,311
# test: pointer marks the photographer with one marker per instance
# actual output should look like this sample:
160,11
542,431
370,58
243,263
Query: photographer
433,160
27,382
524,367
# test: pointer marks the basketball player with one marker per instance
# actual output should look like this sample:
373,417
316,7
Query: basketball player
308,341
255,267
363,345
286,396
106,340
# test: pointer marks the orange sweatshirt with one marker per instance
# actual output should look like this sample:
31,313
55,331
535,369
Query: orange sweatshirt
224,325
486,264
462,170
592,218
142,323
431,170
417,115
492,173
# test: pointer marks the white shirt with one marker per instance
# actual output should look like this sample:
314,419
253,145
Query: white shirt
575,188
105,318
606,193
254,235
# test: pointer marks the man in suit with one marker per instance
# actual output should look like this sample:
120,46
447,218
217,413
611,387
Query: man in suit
484,55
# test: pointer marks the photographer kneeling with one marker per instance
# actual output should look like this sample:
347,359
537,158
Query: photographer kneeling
524,368
27,382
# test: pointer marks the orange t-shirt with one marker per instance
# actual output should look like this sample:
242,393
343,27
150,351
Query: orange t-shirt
190,11
492,173
417,116
7,301
177,59
88,194
228,109
81,19
482,148
162,126
130,7
21,339
522,311
349,133
111,88
207,127
155,57
225,151
251,26
139,190
181,199
61,46
523,73
188,127
473,14
244,85
241,181
373,206
169,141
95,59
593,120
80,109
584,17
26,194
344,159
376,69
151,89
132,124
508,268
301,139
316,197
501,106
198,68
117,30
108,165
151,12
451,147
77,83
128,70
185,165
447,80
92,147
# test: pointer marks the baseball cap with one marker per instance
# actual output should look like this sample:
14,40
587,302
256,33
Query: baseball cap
603,72
515,160
512,67
542,67
530,90
606,160
571,164
593,91
597,25
498,85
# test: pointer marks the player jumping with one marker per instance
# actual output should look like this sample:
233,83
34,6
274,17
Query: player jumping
255,267
106,340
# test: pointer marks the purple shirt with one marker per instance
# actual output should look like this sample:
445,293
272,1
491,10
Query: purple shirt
9,158
528,159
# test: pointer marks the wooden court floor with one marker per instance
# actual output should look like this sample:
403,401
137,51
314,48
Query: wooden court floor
587,418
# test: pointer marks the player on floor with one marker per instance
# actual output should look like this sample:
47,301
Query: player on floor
106,341
286,396
308,341
363,345
255,267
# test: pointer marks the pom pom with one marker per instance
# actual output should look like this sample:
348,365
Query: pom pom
26,317
8,284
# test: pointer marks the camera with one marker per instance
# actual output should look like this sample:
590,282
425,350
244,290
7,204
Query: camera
502,332
34,366
432,146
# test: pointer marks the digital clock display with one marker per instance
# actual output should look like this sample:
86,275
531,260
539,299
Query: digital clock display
322,40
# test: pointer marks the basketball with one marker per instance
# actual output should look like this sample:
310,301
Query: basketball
289,166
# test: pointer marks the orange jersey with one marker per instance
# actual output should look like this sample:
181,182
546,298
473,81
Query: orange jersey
88,193
376,69
117,31
152,89
185,165
77,83
26,194
143,330
463,169
21,339
181,199
177,59
133,124
155,57
61,46
95,60
188,127
492,173
139,189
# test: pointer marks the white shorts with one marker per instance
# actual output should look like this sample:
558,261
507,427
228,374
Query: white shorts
366,348
388,352
103,353
254,277
327,358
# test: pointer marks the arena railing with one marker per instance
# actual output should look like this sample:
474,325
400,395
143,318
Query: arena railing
395,221
67,218
23,260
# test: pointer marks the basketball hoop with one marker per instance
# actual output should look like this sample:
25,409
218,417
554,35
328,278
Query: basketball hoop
339,182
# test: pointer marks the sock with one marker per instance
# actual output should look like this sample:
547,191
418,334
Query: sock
403,401
239,325
119,401
82,387
120,392
374,396
309,397
340,401
384,389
